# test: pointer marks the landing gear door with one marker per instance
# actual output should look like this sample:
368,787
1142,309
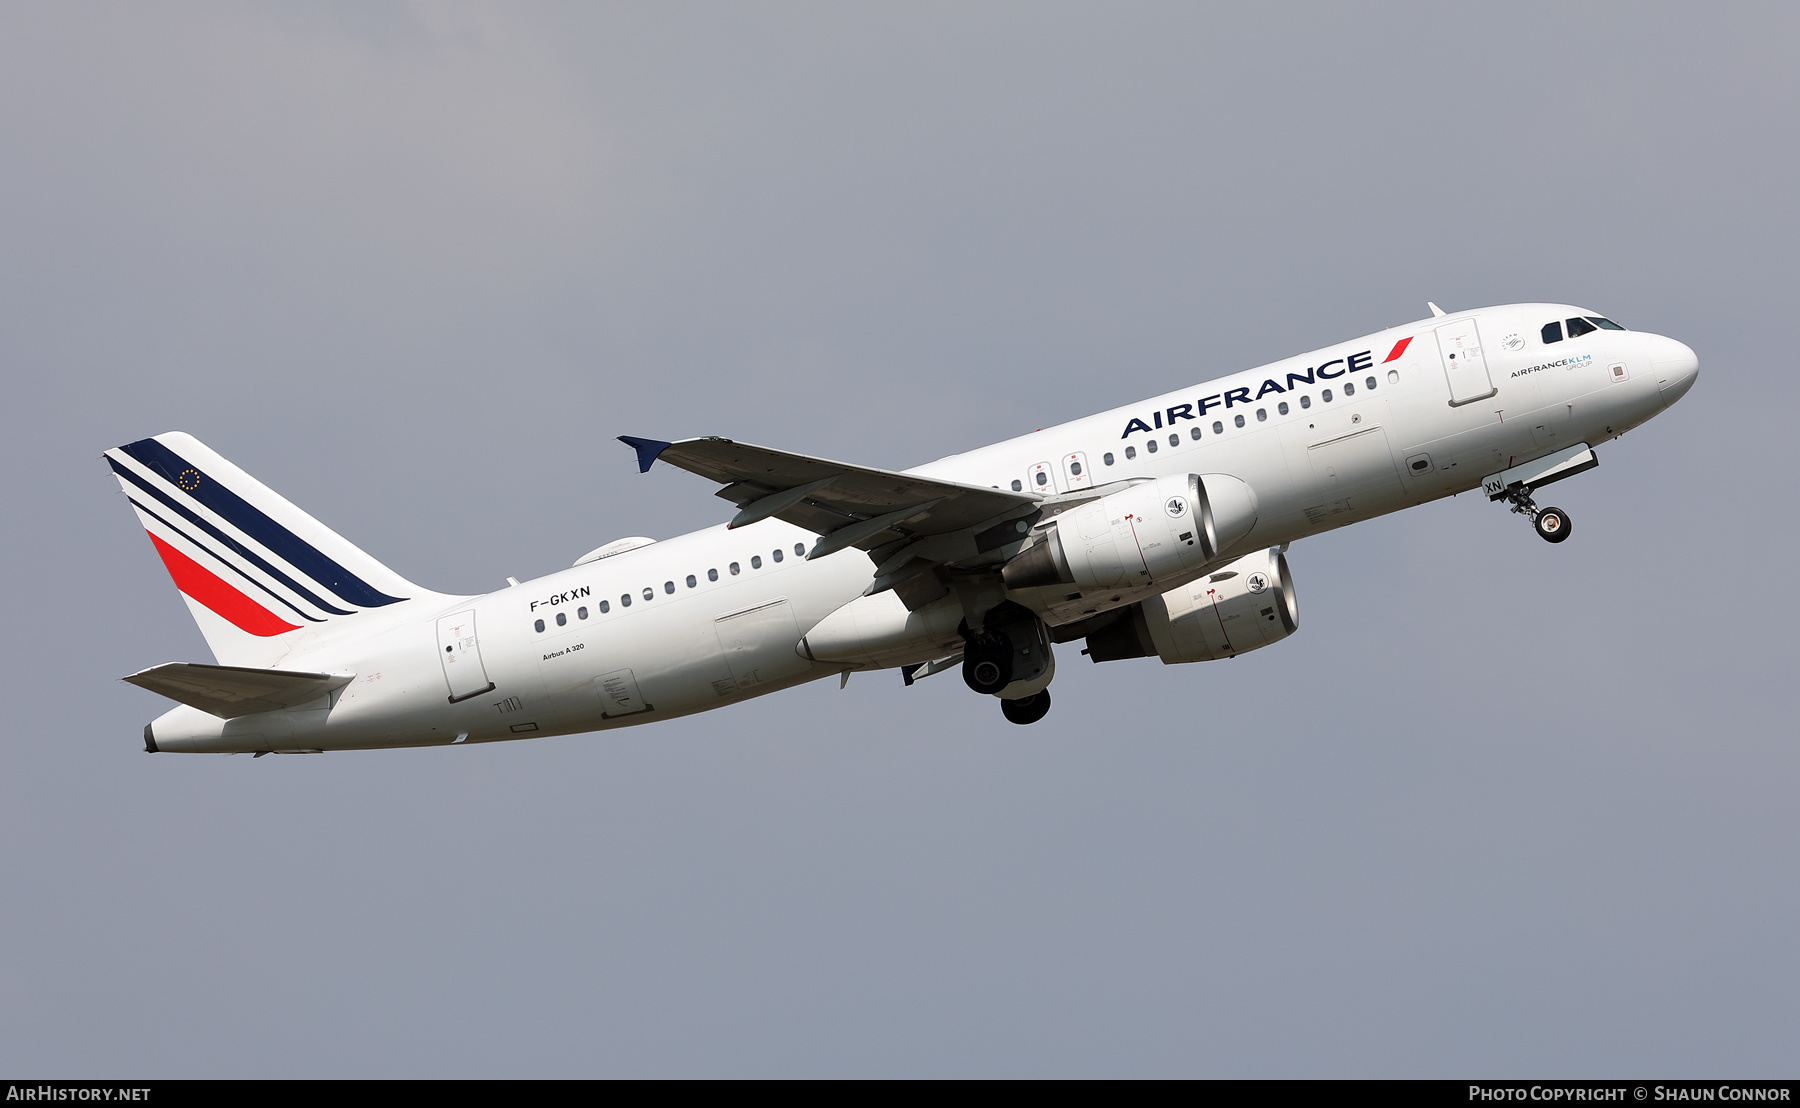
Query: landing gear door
460,652
1465,367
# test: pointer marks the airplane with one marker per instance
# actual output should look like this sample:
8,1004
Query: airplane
1154,530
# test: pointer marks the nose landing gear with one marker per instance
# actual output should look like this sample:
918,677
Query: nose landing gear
1551,524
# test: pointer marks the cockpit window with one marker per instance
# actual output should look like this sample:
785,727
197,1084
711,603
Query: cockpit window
1603,323
1579,327
1552,332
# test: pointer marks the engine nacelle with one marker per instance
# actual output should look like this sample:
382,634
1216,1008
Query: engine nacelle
1158,529
1247,605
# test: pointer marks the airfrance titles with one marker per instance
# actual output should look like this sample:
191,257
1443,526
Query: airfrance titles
1230,398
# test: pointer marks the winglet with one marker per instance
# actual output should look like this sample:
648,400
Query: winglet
647,450
1435,310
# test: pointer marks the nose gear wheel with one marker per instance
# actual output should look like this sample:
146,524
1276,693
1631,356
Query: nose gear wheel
1551,524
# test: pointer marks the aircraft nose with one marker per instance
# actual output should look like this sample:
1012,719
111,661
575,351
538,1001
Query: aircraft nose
1675,366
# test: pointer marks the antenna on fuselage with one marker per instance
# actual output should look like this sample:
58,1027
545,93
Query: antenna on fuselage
1435,310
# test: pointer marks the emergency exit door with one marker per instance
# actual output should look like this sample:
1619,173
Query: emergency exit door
1465,366
460,652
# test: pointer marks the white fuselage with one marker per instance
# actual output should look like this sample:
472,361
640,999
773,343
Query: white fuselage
1378,432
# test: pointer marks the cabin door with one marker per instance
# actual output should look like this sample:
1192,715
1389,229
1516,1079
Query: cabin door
460,652
1465,366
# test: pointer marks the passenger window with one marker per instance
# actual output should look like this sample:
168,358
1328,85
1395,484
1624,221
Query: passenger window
1306,401
649,594
624,600
1074,469
1604,323
799,550
1552,332
734,569
1349,389
1194,432
712,575
1042,478
1369,383
1262,415
1174,440
605,607
1325,396
1107,458
1282,408
539,625
1130,452
1150,446
1579,327
562,619
669,587
1218,428
776,554
581,612
1018,486
756,561
691,582
1238,421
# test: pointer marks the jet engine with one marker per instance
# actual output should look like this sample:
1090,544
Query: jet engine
1244,606
1143,534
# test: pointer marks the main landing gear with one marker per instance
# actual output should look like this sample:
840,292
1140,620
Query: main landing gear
1026,709
1011,659
987,663
1551,524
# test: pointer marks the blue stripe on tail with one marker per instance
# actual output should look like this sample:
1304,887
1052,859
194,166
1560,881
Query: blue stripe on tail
249,519
225,540
277,597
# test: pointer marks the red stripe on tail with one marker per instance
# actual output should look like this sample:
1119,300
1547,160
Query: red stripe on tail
1399,349
209,589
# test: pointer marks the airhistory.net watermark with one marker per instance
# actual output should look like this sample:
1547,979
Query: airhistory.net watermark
42,1093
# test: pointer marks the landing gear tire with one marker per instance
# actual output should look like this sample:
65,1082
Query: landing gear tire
1553,525
987,666
1026,709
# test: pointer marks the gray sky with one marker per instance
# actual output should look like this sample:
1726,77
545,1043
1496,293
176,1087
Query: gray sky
1500,808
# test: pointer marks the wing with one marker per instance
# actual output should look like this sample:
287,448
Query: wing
907,522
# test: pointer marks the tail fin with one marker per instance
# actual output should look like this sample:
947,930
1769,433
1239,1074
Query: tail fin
257,572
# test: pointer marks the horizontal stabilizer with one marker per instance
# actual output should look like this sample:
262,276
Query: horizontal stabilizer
232,691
